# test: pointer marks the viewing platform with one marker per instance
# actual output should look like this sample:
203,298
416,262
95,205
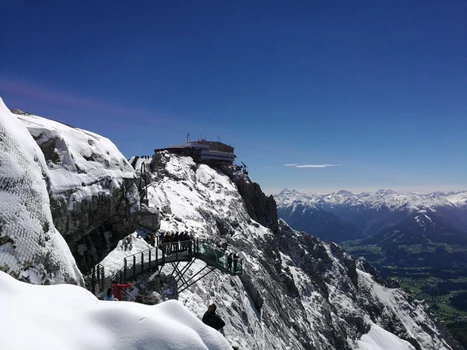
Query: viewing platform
151,260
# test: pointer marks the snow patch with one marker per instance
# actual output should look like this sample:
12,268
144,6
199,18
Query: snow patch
379,339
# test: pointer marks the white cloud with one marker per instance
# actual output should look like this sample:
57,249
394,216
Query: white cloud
311,165
316,165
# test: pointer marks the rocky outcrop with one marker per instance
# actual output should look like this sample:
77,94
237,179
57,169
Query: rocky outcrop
149,218
93,227
19,112
94,198
31,248
260,207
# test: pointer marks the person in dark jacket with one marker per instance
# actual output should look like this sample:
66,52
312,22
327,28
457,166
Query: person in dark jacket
229,262
211,319
235,262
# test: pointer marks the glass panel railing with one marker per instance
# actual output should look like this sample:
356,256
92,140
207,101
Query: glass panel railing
208,252
220,259
237,266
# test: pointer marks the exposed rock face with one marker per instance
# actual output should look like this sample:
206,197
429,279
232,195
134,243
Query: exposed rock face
31,248
19,112
260,207
149,218
93,195
296,292
94,226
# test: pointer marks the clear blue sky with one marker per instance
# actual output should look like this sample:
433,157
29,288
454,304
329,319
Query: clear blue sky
378,88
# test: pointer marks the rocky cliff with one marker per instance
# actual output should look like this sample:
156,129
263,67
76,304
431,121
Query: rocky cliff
93,195
31,248
260,207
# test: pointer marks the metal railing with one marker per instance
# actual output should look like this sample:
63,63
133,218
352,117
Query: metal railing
151,259
96,280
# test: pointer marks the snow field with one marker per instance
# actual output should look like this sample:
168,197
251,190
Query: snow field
68,317
379,339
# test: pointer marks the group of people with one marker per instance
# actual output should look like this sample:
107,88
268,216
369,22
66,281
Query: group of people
150,238
114,293
178,241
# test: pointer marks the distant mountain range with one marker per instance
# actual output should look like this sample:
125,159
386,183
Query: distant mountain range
341,216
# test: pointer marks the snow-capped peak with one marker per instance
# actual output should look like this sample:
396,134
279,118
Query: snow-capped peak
345,193
382,198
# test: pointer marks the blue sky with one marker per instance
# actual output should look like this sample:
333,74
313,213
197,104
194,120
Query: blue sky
378,89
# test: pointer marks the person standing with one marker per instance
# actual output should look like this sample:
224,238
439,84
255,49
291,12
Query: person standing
117,289
109,295
235,262
229,262
211,319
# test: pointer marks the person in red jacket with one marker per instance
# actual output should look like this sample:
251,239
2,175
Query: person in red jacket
117,289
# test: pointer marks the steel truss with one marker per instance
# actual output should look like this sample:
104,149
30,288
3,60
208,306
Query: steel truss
186,283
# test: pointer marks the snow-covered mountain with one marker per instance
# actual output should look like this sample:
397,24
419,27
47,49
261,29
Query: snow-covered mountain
379,199
31,248
297,292
372,212
318,222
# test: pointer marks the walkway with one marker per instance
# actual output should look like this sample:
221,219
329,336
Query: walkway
173,252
